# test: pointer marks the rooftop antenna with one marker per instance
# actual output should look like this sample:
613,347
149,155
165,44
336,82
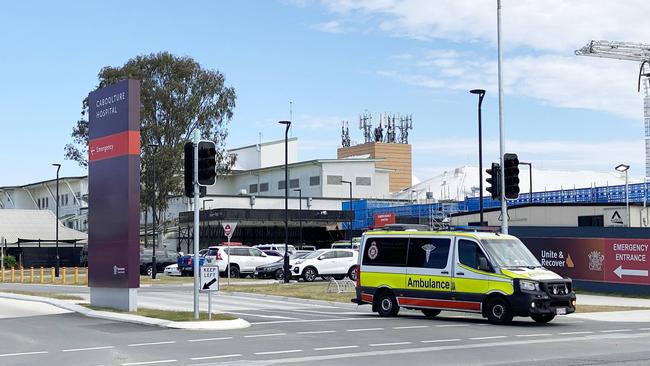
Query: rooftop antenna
345,134
365,124
405,124
291,116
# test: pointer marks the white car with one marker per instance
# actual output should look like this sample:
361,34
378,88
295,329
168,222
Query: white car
276,247
172,270
327,262
243,259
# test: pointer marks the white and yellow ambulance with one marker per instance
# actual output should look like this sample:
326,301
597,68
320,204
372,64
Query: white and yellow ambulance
487,273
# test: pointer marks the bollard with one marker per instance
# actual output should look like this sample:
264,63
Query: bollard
3,274
12,274
22,274
76,275
52,275
63,275
42,280
31,274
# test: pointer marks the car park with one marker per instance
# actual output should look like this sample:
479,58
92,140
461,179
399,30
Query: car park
273,253
337,263
345,244
243,259
276,269
276,247
172,270
164,257
185,262
491,274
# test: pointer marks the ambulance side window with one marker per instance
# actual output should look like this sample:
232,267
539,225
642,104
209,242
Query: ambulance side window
471,255
389,252
428,252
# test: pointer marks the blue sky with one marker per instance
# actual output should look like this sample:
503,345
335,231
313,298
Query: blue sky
333,60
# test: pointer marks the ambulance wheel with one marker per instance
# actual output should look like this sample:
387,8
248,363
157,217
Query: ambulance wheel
387,304
542,318
498,311
430,313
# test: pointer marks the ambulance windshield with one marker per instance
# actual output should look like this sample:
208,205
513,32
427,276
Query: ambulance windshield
510,253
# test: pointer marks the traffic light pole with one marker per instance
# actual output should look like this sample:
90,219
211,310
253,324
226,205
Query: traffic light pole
195,263
502,144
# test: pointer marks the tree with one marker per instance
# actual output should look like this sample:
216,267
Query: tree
177,96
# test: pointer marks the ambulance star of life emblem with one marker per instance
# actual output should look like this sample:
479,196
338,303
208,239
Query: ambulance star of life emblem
428,248
373,251
596,261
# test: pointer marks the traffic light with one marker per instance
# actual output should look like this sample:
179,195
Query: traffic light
494,181
511,175
189,172
207,163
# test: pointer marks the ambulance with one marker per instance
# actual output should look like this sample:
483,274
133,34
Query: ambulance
487,273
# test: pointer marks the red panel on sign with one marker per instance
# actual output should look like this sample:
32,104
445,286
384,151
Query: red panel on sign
384,219
119,144
627,260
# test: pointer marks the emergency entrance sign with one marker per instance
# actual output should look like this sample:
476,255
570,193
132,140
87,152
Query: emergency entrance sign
627,260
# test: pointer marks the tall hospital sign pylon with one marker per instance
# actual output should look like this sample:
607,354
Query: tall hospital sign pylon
114,195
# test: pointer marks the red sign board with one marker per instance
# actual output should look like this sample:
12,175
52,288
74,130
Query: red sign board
384,219
627,260
227,229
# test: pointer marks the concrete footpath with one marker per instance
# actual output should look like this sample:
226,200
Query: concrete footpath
71,306
642,316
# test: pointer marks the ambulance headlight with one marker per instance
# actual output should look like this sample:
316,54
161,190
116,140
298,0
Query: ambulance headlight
528,285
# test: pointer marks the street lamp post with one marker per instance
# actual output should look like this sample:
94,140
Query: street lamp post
623,168
530,179
350,222
481,94
287,275
300,211
154,268
56,268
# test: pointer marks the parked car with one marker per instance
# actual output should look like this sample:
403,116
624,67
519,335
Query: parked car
185,265
243,259
164,258
172,270
326,262
345,244
306,247
273,253
276,247
276,269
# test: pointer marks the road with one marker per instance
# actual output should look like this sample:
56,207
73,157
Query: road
285,332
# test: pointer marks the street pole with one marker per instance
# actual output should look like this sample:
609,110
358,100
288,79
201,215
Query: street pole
195,263
300,212
481,94
502,143
56,268
287,275
350,221
154,268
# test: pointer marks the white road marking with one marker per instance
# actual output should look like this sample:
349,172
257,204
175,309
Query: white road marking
644,328
364,329
208,339
317,332
573,333
265,335
533,335
148,362
452,325
388,344
262,316
320,320
214,357
490,337
278,352
150,344
23,354
441,340
615,330
332,348
412,327
86,349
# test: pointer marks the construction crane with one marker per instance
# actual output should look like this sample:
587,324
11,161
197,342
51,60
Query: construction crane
629,51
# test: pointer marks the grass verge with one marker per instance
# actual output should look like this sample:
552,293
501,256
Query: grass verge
613,294
45,294
178,280
310,291
605,308
176,316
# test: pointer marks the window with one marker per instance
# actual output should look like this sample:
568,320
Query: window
469,253
363,181
385,252
294,183
314,181
240,251
329,255
343,254
334,179
252,188
281,184
595,220
428,252
264,187
253,252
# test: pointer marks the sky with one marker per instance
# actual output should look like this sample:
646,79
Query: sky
334,60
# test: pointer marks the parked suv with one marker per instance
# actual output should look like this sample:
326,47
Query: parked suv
163,259
243,259
276,247
327,262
